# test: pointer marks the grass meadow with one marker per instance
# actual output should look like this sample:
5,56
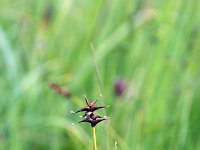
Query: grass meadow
152,48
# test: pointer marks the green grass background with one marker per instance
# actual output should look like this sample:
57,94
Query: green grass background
153,45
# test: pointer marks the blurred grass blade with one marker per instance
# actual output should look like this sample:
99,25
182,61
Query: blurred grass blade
8,55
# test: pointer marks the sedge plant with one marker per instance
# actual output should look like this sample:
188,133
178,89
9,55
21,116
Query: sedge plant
92,118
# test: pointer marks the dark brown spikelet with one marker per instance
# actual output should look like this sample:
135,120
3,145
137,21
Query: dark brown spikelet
97,107
86,108
91,109
90,104
62,91
93,122
91,115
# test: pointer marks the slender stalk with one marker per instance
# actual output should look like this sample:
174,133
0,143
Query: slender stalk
94,139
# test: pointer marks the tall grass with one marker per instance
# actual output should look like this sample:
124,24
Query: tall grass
152,45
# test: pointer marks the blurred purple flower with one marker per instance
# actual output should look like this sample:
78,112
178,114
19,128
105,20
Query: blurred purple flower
119,87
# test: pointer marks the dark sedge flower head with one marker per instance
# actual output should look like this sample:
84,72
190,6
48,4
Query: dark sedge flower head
89,115
93,122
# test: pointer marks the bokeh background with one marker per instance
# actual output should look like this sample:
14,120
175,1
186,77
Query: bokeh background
141,56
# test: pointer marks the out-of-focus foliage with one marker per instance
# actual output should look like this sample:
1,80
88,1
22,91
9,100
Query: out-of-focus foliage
151,48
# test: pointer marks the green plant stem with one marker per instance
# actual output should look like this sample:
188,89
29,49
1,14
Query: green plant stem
94,139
